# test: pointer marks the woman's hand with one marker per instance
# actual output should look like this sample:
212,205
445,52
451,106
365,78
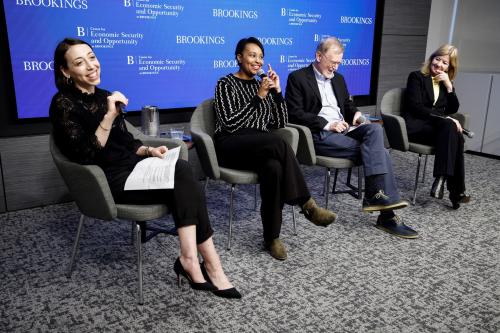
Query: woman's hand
106,124
265,86
457,124
158,151
355,118
113,100
443,77
275,79
271,81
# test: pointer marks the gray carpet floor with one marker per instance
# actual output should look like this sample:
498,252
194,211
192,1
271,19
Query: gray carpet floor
349,277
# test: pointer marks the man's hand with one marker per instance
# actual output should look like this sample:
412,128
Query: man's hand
338,126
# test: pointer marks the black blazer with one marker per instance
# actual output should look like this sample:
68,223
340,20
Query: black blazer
419,99
303,99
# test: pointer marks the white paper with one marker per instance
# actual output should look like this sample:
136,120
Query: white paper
154,173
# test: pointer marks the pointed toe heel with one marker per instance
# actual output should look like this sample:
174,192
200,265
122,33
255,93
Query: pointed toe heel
224,293
180,271
227,293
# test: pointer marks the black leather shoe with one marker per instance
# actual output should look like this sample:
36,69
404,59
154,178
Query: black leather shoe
457,200
396,227
380,202
224,293
437,190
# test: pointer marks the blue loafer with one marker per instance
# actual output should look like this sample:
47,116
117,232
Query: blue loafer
396,227
381,201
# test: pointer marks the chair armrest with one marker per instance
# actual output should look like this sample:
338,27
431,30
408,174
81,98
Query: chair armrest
206,153
463,119
395,128
305,150
289,135
170,143
155,142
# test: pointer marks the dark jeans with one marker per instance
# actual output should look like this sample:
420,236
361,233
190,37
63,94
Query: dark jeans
281,180
186,201
366,145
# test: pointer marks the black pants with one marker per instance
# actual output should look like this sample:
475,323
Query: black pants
186,201
281,180
449,149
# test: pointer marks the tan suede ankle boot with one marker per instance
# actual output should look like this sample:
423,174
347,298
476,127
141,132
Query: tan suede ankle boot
317,215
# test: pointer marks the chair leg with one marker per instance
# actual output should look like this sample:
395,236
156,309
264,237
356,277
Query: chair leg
294,222
335,178
324,183
349,174
255,197
327,186
233,187
75,246
360,183
206,184
132,229
416,179
425,168
138,244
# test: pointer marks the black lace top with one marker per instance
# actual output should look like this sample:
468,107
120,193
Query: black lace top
75,117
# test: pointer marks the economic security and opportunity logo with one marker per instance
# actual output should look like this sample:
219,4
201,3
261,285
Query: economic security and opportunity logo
296,17
150,65
152,9
101,38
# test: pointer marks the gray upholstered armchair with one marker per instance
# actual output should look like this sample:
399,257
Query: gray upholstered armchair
89,188
202,131
395,128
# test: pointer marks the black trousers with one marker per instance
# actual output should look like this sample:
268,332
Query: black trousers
186,201
449,148
281,180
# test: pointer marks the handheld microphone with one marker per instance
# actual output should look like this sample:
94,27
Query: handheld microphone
261,73
122,109
467,132
362,120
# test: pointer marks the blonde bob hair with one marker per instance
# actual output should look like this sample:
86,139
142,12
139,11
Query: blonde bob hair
443,50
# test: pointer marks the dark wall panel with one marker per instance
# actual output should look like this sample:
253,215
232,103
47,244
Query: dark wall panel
2,196
399,56
406,17
30,176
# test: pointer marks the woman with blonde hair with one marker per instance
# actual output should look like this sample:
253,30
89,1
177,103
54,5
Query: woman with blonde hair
430,99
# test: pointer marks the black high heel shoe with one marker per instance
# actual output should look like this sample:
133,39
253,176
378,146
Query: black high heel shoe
179,270
437,190
224,293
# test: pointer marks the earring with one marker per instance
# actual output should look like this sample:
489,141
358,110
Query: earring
69,80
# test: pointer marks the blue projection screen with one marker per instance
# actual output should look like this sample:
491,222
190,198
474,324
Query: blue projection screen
171,53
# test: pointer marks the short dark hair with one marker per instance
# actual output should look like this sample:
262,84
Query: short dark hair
60,60
243,42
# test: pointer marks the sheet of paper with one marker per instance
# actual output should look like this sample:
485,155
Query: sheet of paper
154,173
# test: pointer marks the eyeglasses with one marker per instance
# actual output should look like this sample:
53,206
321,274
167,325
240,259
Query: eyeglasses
331,62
